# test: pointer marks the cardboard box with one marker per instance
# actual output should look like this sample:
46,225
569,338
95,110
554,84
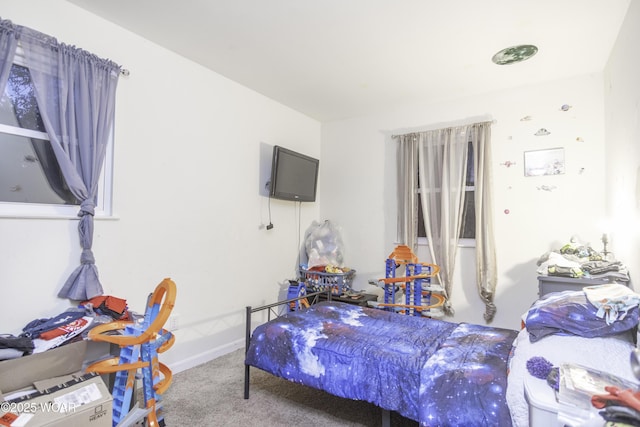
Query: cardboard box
83,401
23,372
60,395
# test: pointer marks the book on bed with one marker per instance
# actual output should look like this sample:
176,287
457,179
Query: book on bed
577,386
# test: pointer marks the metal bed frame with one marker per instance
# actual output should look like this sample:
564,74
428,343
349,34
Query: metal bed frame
312,298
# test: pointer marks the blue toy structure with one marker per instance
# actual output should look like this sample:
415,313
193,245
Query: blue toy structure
297,289
416,281
139,344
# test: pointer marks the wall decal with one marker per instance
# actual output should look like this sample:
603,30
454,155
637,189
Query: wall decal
506,211
526,118
547,187
565,107
544,162
508,163
542,132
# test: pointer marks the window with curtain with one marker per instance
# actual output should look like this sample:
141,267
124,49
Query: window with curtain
31,180
444,194
60,100
468,226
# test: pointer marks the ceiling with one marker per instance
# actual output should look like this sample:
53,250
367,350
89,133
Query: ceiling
337,59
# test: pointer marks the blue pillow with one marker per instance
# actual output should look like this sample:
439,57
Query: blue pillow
571,313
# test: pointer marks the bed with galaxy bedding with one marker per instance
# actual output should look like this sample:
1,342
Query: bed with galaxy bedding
428,370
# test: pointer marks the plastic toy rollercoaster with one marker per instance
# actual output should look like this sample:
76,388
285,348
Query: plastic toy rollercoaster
419,298
139,348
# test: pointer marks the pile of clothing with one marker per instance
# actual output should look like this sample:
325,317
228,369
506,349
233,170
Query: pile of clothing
578,260
72,324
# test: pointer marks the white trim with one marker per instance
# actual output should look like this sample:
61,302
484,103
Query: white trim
45,211
27,133
466,243
206,356
104,202
462,242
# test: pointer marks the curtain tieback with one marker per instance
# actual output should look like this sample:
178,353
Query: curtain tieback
87,207
87,257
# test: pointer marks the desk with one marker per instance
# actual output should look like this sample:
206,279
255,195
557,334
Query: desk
361,301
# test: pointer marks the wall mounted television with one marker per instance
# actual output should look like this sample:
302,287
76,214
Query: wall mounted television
294,176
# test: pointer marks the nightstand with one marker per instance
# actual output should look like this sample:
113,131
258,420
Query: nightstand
547,284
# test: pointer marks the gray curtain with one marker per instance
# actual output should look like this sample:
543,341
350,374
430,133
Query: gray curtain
8,44
486,264
76,97
407,196
442,165
442,156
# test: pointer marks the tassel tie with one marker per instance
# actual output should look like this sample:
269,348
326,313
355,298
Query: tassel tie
490,311
87,207
87,257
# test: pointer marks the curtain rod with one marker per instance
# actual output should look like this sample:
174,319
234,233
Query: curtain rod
22,31
448,127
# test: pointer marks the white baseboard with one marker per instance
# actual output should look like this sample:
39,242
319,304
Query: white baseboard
206,356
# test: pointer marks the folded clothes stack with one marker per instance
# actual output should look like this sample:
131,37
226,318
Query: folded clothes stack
13,347
72,324
576,260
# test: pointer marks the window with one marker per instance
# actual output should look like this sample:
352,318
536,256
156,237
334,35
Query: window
31,182
468,225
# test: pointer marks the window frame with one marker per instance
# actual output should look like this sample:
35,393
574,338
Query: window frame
463,242
104,199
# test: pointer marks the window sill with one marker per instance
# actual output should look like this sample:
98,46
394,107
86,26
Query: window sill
65,217
42,211
462,243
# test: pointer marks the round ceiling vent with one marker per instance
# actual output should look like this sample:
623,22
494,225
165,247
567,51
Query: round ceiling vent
513,54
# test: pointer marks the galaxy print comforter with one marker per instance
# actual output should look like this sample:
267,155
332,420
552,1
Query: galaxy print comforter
435,372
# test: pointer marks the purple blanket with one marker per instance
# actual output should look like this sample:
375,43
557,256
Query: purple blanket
432,371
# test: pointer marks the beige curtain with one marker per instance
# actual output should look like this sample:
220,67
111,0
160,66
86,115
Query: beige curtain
407,165
442,165
486,265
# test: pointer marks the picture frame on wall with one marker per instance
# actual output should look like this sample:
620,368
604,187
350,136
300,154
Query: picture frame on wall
544,162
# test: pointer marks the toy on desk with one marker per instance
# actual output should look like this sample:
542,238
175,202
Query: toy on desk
139,347
296,290
419,297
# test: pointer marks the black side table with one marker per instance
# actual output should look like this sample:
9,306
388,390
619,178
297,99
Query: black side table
356,299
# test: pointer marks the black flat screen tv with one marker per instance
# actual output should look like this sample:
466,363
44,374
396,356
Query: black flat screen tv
294,176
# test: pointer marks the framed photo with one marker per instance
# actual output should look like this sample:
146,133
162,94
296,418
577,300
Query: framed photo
544,162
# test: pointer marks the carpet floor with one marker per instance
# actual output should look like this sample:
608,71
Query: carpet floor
212,394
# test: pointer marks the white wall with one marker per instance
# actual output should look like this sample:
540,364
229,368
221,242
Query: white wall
622,102
359,184
187,211
186,194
